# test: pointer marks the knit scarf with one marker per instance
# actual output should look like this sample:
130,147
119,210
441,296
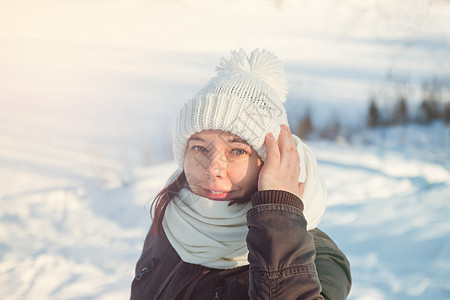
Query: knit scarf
212,233
206,232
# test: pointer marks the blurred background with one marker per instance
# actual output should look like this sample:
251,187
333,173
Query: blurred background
88,95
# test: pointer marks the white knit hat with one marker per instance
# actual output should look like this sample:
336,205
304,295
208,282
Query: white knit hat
245,98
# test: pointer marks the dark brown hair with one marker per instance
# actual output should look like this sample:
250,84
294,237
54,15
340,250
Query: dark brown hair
161,201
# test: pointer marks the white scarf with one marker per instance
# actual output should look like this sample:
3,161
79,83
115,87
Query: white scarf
206,232
212,233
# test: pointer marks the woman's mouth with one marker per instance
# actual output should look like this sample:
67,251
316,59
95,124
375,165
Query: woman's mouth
216,195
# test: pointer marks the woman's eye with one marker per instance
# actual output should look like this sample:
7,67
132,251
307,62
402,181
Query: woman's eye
238,151
200,149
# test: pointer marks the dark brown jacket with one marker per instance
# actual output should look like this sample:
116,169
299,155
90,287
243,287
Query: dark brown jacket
286,261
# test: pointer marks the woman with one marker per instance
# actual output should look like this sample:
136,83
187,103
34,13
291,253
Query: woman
237,220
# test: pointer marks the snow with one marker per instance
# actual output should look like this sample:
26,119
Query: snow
89,91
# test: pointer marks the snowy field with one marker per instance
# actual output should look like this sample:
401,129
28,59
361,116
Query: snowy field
89,91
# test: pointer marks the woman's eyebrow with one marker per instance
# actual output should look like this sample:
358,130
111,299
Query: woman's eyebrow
237,140
196,139
233,139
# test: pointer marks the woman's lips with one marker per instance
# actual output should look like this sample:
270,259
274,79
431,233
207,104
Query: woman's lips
216,195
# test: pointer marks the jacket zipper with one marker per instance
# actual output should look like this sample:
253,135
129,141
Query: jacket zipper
141,273
216,296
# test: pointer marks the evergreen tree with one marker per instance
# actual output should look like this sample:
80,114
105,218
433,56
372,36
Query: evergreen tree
400,112
429,110
332,129
373,119
447,113
305,126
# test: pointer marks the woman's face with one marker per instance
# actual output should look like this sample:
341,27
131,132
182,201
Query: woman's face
221,166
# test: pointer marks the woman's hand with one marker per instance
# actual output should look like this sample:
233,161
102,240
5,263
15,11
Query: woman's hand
282,164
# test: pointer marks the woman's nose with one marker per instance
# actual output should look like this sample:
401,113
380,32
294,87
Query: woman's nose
217,165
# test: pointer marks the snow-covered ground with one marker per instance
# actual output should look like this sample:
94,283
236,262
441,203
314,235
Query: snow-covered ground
388,209
89,90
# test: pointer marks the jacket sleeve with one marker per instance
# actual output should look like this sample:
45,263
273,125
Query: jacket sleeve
281,251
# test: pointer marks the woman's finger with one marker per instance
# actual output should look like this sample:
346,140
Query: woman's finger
281,167
285,143
272,152
295,152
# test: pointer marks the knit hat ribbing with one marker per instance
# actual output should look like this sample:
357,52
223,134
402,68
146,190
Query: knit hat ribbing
245,98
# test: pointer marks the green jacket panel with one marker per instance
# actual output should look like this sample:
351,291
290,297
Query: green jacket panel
332,266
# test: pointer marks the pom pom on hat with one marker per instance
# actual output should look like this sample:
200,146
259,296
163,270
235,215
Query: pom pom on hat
262,64
245,98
